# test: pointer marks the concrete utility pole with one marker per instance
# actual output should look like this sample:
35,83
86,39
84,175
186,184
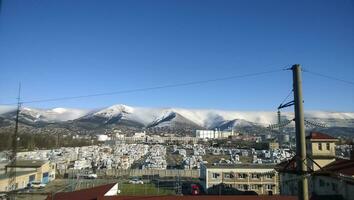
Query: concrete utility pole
301,162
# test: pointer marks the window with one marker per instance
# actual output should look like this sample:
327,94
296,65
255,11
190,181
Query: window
227,175
328,146
322,183
268,187
215,175
255,176
242,176
334,187
245,187
268,176
253,187
320,146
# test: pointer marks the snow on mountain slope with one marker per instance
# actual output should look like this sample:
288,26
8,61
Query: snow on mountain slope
50,115
207,118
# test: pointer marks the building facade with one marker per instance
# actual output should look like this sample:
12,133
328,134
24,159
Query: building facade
262,179
26,172
327,175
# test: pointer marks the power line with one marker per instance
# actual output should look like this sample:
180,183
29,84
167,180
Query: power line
328,77
151,88
291,91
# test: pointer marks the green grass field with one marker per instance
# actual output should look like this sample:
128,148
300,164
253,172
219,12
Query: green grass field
144,189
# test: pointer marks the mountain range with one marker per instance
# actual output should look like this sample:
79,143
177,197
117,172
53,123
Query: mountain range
176,118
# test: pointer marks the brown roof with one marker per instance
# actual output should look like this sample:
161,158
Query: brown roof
204,197
321,136
340,166
95,193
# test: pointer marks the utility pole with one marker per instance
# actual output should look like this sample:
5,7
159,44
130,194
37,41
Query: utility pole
12,173
301,162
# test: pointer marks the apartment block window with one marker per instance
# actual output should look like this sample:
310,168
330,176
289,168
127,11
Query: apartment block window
245,187
227,175
253,187
269,176
215,175
328,146
242,176
255,176
268,187
320,146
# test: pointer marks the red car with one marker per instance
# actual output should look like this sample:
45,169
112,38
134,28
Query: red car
195,190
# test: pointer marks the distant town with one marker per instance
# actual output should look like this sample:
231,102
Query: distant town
208,159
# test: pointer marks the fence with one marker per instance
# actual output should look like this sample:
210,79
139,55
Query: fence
191,173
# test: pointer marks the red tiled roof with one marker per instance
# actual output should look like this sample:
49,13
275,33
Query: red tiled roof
318,135
95,193
203,197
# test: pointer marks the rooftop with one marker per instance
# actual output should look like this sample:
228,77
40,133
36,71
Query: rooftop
27,163
97,193
85,194
320,136
234,166
340,166
204,197
20,173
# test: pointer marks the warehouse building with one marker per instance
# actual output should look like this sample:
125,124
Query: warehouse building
26,172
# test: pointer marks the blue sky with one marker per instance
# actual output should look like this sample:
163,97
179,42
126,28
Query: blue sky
70,48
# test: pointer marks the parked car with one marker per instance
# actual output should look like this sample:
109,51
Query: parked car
87,176
3,196
92,176
136,181
36,184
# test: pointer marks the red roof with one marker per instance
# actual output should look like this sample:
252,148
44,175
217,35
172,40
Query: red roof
204,197
95,193
318,135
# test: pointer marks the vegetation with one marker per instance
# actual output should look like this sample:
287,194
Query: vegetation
30,142
144,189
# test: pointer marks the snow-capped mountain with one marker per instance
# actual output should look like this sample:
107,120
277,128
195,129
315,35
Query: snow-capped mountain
33,115
170,117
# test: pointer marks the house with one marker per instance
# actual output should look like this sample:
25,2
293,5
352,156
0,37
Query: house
336,178
260,178
321,148
328,177
26,172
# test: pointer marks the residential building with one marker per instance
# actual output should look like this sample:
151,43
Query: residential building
261,178
328,176
321,147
